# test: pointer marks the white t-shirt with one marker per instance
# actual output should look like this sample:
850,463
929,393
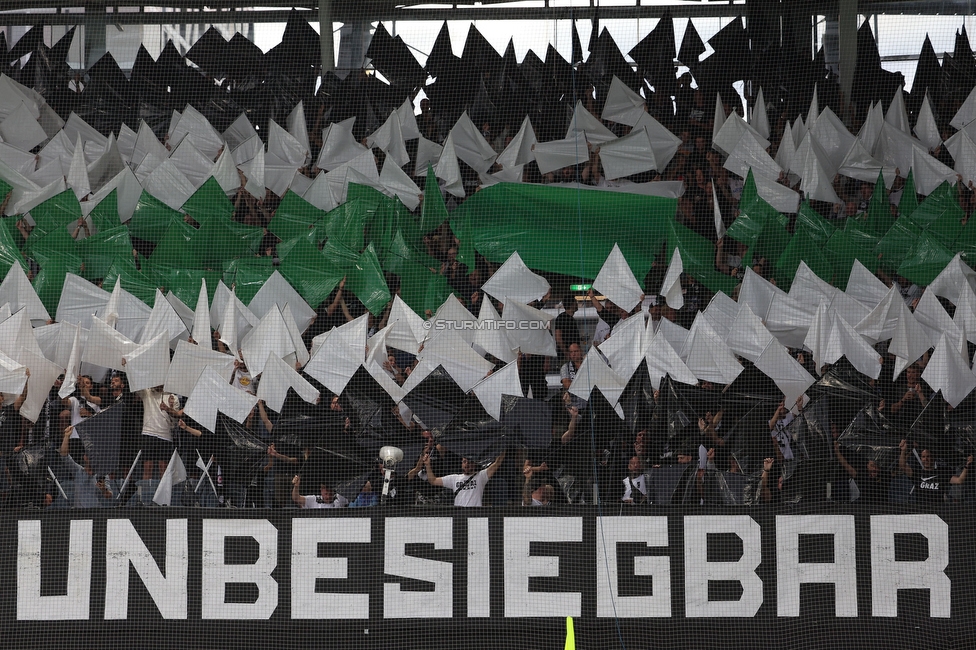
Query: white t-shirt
468,496
155,421
631,485
243,380
782,437
315,501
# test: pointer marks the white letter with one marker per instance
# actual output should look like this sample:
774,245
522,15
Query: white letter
652,531
520,566
479,568
401,531
124,545
889,575
72,606
307,567
698,570
790,573
217,574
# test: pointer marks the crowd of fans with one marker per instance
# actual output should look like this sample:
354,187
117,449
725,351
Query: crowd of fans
645,460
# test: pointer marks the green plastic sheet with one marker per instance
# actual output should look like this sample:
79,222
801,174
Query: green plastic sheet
294,216
99,251
174,248
55,213
247,275
367,283
184,283
139,284
152,218
897,243
221,239
565,230
879,209
801,248
105,215
423,290
209,202
311,273
928,257
433,210
909,198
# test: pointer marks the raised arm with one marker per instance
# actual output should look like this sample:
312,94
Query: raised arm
63,449
268,425
433,480
295,496
959,480
495,465
902,462
570,433
843,461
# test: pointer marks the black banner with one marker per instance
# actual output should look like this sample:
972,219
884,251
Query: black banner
499,578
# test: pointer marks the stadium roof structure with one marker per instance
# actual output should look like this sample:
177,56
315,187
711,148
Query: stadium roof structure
29,12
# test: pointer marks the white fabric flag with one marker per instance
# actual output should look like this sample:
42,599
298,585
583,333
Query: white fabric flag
399,184
631,154
785,371
270,338
188,364
212,393
584,122
595,373
557,154
662,361
949,372
490,337
43,374
17,291
514,280
13,377
277,378
277,291
748,337
201,318
339,145
616,281
707,355
470,146
148,365
717,213
72,370
760,121
529,329
623,105
671,286
447,169
489,390
721,312
163,320
465,366
624,349
174,475
106,346
340,356
407,328
519,150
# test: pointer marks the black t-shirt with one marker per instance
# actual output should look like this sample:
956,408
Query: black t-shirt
610,317
874,491
9,429
567,325
931,486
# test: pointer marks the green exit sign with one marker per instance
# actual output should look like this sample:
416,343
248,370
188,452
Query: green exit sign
580,287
